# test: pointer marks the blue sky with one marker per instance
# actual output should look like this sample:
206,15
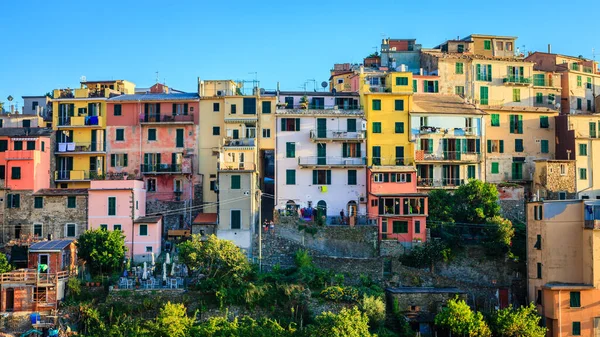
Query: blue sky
51,44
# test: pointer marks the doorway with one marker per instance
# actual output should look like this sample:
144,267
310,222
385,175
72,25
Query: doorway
10,299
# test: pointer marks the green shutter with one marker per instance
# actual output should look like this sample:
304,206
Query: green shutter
351,177
351,125
125,160
345,150
489,73
471,172
399,104
266,107
283,120
489,146
435,86
328,173
315,177
113,160
290,177
235,182
478,70
495,167
414,85
297,124
520,123
112,206
179,139
544,144
174,109
501,146
290,151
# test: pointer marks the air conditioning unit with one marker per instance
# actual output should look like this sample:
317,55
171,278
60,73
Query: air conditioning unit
220,93
363,125
362,200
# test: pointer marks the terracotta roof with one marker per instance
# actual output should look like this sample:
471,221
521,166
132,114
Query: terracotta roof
443,104
61,191
148,219
470,56
205,219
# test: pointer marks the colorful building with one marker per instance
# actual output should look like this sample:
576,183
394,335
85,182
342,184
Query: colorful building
401,54
448,136
79,119
153,136
121,205
562,257
321,155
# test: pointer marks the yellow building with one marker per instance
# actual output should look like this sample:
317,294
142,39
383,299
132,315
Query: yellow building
238,134
79,120
387,99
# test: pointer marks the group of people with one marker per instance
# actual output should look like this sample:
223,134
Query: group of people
269,225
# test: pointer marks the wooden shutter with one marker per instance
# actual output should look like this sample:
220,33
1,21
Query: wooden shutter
489,72
315,177
358,154
328,177
283,120
520,123
435,86
408,177
113,160
185,108
501,146
125,160
345,150
478,67
297,124
174,109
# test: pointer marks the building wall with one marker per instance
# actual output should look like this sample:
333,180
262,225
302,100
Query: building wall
34,164
479,46
55,259
40,106
242,199
208,147
580,124
574,90
141,242
16,121
549,180
561,316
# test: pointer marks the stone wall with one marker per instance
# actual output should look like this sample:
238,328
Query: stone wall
512,202
176,218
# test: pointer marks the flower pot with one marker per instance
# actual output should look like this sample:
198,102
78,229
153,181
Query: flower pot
87,284
97,284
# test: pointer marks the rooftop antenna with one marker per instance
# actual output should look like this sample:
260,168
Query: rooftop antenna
156,76
594,54
375,50
314,83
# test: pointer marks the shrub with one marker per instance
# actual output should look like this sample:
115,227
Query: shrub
303,259
74,287
333,293
374,308
350,294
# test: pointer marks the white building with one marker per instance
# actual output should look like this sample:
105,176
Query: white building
321,153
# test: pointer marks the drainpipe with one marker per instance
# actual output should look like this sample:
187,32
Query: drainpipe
559,316
132,221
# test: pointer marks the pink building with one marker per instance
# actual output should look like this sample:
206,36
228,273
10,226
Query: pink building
400,212
121,205
153,137
25,156
428,84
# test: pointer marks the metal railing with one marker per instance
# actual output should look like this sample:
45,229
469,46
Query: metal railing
393,161
239,142
466,131
78,120
517,80
68,147
312,106
76,175
337,135
331,161
161,168
235,166
444,182
165,118
448,155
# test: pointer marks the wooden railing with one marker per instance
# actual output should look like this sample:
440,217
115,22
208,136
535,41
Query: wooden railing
31,276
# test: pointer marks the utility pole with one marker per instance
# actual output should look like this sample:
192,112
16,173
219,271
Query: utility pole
260,229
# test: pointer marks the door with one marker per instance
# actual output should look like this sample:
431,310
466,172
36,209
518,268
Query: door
399,155
503,298
321,154
44,259
289,102
179,139
321,128
236,134
10,299
318,103
94,140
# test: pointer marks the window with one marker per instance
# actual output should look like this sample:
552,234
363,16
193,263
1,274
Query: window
236,219
351,150
3,145
216,130
414,85
509,46
120,135
112,206
471,172
37,230
376,155
351,177
376,127
460,48
13,200
148,249
578,81
516,95
31,145
70,230
233,109
459,90
538,212
495,119
18,145
518,145
71,202
266,133
459,68
539,270
178,185
401,80
116,227
143,230
213,185
539,98
582,174
290,124
544,146
117,110
38,202
266,107
340,81
15,173
43,146
538,242
495,146
576,329
592,129
484,72
430,86
104,227
399,105
249,107
544,123
579,104
290,177
484,95
321,177
417,227
216,107
575,299
151,134
399,127
588,106
399,227
290,150
236,182
487,45
563,196
376,104
495,168
516,124
583,149
118,160
151,185
517,170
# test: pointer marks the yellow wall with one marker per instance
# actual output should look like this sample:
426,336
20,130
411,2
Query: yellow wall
581,126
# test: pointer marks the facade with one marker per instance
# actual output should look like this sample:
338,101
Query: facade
79,119
153,137
321,155
516,137
38,106
448,136
343,78
400,54
121,205
554,179
562,257
236,152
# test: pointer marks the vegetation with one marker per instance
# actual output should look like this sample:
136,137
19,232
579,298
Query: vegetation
521,322
460,320
374,308
427,254
172,321
348,323
5,266
103,251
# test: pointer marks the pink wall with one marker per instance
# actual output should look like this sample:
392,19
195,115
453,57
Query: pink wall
34,164
421,78
131,112
153,239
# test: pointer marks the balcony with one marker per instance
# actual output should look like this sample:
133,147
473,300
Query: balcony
18,154
337,135
80,121
76,147
162,169
450,156
316,109
239,143
458,132
440,183
517,80
399,162
85,93
314,161
78,175
235,166
170,119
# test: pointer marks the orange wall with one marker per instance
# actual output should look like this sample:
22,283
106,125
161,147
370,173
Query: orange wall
563,315
34,164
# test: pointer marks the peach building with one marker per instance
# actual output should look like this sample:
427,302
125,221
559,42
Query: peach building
563,265
121,205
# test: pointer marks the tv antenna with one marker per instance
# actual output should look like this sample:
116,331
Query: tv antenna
314,83
156,72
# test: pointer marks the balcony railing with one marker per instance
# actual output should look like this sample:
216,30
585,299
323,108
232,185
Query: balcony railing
235,166
340,135
393,161
18,154
78,175
422,155
79,121
31,276
161,168
164,118
239,142
440,183
72,147
517,80
313,161
322,107
85,93
466,131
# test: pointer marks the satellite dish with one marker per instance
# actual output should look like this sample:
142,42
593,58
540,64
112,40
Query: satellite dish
324,84
9,98
83,78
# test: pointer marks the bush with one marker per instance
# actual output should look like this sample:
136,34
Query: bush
333,293
348,323
303,259
350,294
5,266
74,287
374,308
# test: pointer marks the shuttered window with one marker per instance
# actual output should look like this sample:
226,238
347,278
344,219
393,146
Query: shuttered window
495,119
112,206
459,68
236,182
399,127
376,127
290,150
351,177
544,146
399,105
290,177
376,104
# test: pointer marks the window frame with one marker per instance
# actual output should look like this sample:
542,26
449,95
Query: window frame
140,226
67,225
69,198
35,202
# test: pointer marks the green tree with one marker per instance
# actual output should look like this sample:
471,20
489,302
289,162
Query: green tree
221,261
348,323
441,206
172,321
102,250
475,202
5,266
374,308
245,326
499,235
427,254
521,322
459,319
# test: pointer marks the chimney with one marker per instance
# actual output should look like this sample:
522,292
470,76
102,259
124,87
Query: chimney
12,108
421,71
549,48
